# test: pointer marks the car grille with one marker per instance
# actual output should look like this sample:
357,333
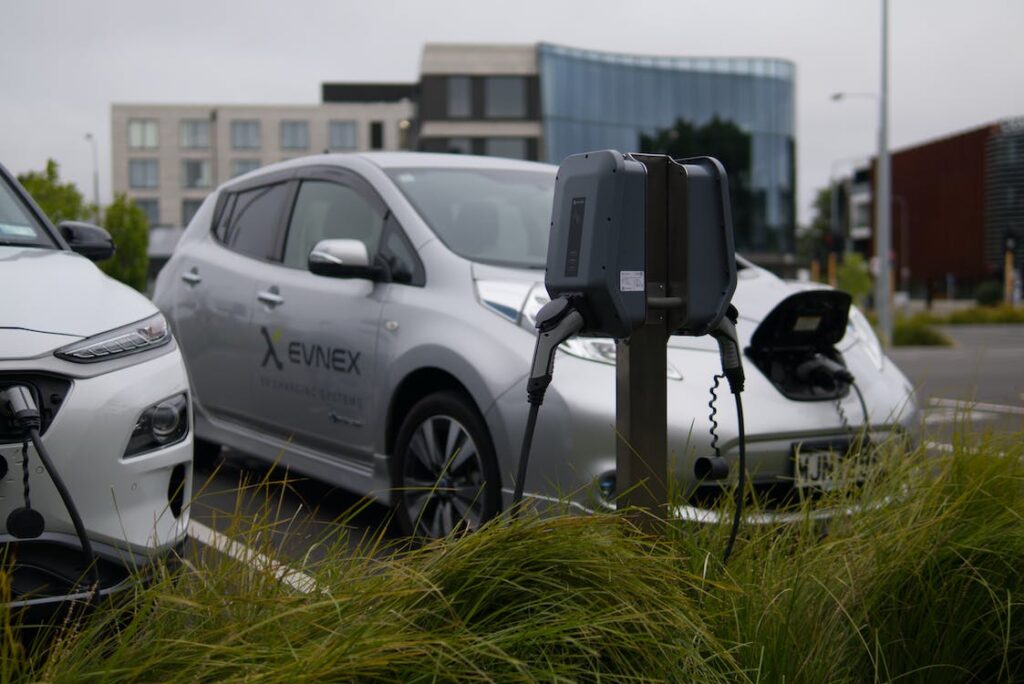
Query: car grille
50,392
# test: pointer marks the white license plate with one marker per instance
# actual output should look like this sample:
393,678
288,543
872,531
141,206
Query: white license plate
816,469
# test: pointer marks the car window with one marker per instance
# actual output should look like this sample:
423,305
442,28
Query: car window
222,216
395,251
256,221
331,211
17,225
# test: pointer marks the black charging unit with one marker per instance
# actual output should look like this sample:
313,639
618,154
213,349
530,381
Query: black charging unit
641,248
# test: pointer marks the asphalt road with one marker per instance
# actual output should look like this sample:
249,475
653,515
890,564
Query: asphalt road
980,378
983,370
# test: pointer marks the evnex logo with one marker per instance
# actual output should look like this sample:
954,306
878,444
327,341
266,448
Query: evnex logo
311,355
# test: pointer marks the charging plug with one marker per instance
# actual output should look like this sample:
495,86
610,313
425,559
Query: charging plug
820,369
557,321
729,350
18,403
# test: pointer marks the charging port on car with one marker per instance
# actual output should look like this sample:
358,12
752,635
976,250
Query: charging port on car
794,347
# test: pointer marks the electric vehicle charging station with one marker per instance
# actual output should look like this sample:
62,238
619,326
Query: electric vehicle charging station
641,249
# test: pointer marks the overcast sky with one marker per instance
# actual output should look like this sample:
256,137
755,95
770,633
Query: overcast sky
954,64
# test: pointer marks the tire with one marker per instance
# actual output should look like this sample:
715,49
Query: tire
444,481
205,455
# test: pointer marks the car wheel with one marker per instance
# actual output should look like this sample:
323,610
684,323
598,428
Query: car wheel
444,471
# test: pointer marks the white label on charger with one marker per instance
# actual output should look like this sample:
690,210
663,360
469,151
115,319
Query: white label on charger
631,281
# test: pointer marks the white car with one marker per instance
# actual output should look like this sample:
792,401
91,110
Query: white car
92,366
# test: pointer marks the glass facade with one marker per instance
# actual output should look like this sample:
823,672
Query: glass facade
729,107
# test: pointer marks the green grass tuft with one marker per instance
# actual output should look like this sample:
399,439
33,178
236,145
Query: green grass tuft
923,583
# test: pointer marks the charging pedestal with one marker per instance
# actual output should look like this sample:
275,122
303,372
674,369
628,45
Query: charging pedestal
641,404
641,248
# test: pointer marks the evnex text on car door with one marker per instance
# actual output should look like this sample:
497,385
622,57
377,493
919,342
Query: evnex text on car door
316,384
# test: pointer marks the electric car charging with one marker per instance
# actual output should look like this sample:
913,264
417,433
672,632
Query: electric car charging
95,415
370,320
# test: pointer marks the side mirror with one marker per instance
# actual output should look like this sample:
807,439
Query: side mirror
90,241
342,259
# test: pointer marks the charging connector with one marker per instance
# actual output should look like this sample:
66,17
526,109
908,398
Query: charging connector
732,367
18,402
556,322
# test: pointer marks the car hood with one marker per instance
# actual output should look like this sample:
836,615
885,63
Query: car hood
63,294
757,292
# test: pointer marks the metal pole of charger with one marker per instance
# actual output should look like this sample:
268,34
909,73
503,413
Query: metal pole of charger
641,412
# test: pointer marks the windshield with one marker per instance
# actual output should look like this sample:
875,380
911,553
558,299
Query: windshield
488,215
17,226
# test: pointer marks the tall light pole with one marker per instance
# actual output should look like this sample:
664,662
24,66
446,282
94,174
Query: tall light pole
882,189
95,175
883,200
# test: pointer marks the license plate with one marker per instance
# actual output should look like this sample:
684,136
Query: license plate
820,465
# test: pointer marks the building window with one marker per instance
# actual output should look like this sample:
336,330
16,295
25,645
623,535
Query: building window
151,208
143,173
460,146
294,135
342,135
195,173
189,208
505,97
245,135
376,135
142,134
513,148
460,98
240,166
194,134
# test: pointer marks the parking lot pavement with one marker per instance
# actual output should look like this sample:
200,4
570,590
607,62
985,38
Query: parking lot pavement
980,379
303,518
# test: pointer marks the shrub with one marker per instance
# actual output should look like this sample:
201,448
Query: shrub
989,293
917,331
853,277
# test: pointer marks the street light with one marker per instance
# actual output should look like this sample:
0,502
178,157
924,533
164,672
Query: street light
883,190
95,175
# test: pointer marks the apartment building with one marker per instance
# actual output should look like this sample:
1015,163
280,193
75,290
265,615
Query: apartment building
168,157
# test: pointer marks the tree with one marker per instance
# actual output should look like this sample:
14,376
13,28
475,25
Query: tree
723,140
812,241
59,201
854,277
129,227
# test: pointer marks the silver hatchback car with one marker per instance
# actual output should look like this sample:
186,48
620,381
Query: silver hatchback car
367,320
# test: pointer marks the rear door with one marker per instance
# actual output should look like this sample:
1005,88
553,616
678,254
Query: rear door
216,297
320,389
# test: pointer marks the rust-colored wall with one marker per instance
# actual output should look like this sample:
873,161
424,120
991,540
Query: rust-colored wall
942,188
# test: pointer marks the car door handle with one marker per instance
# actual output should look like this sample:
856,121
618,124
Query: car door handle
192,277
270,298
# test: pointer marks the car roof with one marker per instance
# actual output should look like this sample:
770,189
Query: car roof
398,160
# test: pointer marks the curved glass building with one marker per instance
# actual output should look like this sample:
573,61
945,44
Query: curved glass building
740,110
547,101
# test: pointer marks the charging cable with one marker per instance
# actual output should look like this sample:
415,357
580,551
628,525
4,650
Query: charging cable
26,523
557,321
732,369
819,369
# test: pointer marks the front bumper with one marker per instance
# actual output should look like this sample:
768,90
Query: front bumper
125,504
575,440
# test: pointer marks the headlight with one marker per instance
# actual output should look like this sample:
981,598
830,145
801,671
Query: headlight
146,334
599,349
862,329
159,425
